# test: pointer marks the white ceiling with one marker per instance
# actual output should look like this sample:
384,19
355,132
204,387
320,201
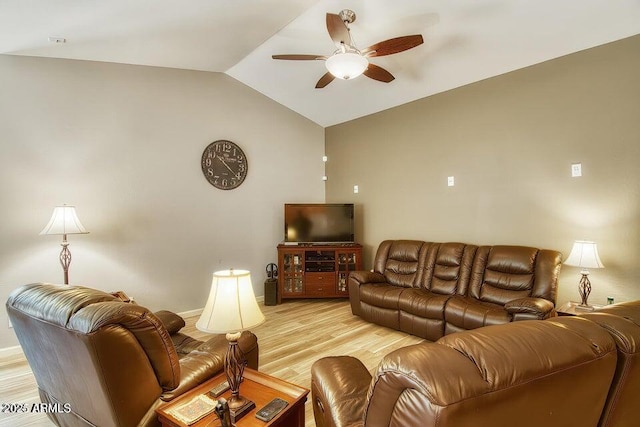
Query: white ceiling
465,41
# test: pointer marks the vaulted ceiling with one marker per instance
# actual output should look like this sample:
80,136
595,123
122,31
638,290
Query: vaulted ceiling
465,41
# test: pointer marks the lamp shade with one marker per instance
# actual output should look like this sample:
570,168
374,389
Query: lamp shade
584,254
347,65
64,220
231,306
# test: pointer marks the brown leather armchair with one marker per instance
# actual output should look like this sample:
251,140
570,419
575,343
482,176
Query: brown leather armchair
107,362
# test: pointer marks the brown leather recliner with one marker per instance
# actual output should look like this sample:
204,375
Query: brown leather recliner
553,373
398,266
107,362
506,283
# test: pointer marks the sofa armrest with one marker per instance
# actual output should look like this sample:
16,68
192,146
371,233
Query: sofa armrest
171,321
207,360
357,279
339,391
530,308
364,276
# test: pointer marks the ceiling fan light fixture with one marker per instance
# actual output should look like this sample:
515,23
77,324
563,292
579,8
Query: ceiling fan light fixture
346,65
348,62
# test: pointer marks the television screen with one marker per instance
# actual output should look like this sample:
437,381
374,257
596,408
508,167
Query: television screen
318,223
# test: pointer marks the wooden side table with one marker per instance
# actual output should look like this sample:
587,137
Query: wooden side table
569,309
256,386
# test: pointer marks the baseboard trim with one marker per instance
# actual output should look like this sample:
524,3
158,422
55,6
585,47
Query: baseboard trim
11,351
198,311
191,313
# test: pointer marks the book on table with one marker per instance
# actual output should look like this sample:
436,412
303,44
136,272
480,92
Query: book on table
194,410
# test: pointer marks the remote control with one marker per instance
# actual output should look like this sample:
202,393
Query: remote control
219,389
271,409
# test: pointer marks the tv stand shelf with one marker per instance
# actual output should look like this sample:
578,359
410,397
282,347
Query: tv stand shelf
316,271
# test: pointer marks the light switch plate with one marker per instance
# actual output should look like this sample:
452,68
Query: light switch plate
356,189
451,181
576,170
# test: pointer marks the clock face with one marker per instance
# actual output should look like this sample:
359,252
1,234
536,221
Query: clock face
224,165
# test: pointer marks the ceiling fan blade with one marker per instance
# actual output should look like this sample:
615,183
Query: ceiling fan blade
296,57
391,46
325,80
338,30
378,73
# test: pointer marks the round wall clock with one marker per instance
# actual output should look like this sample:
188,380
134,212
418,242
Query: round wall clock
224,165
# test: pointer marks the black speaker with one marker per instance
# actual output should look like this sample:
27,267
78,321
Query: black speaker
271,292
271,285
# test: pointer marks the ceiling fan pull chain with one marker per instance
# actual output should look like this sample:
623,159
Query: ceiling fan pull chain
353,43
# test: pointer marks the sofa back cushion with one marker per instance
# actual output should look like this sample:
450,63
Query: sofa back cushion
399,262
529,374
448,267
503,273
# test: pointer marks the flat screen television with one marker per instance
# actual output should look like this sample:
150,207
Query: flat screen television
318,223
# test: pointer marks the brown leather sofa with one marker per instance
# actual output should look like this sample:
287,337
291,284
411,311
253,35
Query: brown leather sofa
107,362
432,289
564,371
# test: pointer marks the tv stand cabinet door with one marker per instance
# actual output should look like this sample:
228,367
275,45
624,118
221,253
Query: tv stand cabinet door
347,260
291,273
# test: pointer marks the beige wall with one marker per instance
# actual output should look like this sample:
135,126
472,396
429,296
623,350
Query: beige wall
123,143
510,142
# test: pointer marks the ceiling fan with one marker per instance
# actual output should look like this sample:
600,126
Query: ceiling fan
348,62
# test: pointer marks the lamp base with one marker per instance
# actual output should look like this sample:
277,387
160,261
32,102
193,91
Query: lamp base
584,287
240,407
234,363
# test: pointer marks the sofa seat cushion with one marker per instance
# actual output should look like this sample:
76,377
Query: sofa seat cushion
423,303
381,295
469,313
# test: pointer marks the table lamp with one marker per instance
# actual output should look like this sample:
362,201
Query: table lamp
64,220
230,309
584,255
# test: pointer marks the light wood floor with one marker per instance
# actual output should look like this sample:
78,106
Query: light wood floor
295,334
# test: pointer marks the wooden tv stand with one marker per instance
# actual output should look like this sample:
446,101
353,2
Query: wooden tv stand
316,271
